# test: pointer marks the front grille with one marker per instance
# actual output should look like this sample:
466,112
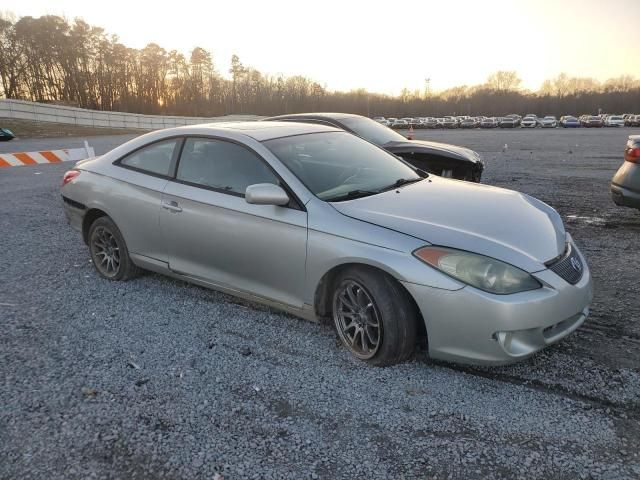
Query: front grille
569,267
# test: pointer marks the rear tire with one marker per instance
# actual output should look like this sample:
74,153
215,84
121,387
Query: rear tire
109,251
374,317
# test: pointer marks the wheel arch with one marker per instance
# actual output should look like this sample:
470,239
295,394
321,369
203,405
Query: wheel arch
323,293
91,216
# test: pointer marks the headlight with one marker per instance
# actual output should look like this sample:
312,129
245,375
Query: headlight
482,272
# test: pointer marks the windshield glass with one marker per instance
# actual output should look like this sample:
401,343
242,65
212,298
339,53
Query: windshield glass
335,164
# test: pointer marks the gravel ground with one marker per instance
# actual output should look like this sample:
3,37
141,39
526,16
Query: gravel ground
156,378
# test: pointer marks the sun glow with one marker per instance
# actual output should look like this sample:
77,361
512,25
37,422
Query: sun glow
377,45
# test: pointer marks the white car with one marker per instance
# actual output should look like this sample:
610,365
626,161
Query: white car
614,121
402,123
530,121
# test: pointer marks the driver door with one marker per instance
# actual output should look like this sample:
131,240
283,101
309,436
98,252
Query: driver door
213,234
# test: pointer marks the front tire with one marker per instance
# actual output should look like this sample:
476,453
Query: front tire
109,251
374,317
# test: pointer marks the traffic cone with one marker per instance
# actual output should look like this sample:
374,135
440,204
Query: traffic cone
410,135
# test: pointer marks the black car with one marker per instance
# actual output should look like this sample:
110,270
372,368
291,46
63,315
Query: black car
6,135
438,158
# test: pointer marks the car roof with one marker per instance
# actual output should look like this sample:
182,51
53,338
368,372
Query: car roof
262,131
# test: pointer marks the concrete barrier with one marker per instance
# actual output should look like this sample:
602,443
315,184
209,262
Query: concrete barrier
42,112
46,156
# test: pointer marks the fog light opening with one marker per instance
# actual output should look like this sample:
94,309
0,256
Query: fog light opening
504,339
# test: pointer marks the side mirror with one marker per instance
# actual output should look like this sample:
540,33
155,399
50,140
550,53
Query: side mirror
266,194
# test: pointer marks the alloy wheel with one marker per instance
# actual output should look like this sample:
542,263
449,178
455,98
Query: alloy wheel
105,251
357,319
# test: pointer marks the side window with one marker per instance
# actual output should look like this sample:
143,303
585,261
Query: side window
155,158
222,165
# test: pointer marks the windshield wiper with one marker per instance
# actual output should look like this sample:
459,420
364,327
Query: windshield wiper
400,182
353,194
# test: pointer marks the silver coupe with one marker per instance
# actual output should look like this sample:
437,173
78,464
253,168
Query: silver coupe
325,225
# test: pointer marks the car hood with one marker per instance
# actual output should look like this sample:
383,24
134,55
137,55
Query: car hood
499,223
433,147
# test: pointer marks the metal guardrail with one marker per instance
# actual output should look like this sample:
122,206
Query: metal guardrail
42,112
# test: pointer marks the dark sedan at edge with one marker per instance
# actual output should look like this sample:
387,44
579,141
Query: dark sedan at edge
438,158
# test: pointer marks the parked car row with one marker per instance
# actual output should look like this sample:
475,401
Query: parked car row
626,120
530,120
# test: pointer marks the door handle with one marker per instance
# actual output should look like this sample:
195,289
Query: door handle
171,206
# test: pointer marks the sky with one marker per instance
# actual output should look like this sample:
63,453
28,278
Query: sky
382,46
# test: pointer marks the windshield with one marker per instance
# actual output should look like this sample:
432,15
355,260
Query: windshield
372,131
337,165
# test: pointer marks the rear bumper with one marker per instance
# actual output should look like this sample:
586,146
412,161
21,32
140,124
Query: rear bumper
625,197
471,326
74,211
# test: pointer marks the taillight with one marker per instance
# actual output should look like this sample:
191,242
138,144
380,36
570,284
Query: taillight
632,155
70,175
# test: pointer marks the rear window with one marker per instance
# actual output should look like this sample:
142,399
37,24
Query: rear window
372,131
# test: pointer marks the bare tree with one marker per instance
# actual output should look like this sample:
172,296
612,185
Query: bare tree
503,81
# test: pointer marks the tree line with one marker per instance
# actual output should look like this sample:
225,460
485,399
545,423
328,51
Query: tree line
51,59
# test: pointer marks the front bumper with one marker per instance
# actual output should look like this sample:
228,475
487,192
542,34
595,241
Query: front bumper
471,326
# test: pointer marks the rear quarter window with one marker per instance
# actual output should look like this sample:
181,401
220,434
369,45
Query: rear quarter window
155,158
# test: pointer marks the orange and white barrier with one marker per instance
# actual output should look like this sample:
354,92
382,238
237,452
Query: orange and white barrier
46,156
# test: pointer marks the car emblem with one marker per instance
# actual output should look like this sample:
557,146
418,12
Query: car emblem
575,263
